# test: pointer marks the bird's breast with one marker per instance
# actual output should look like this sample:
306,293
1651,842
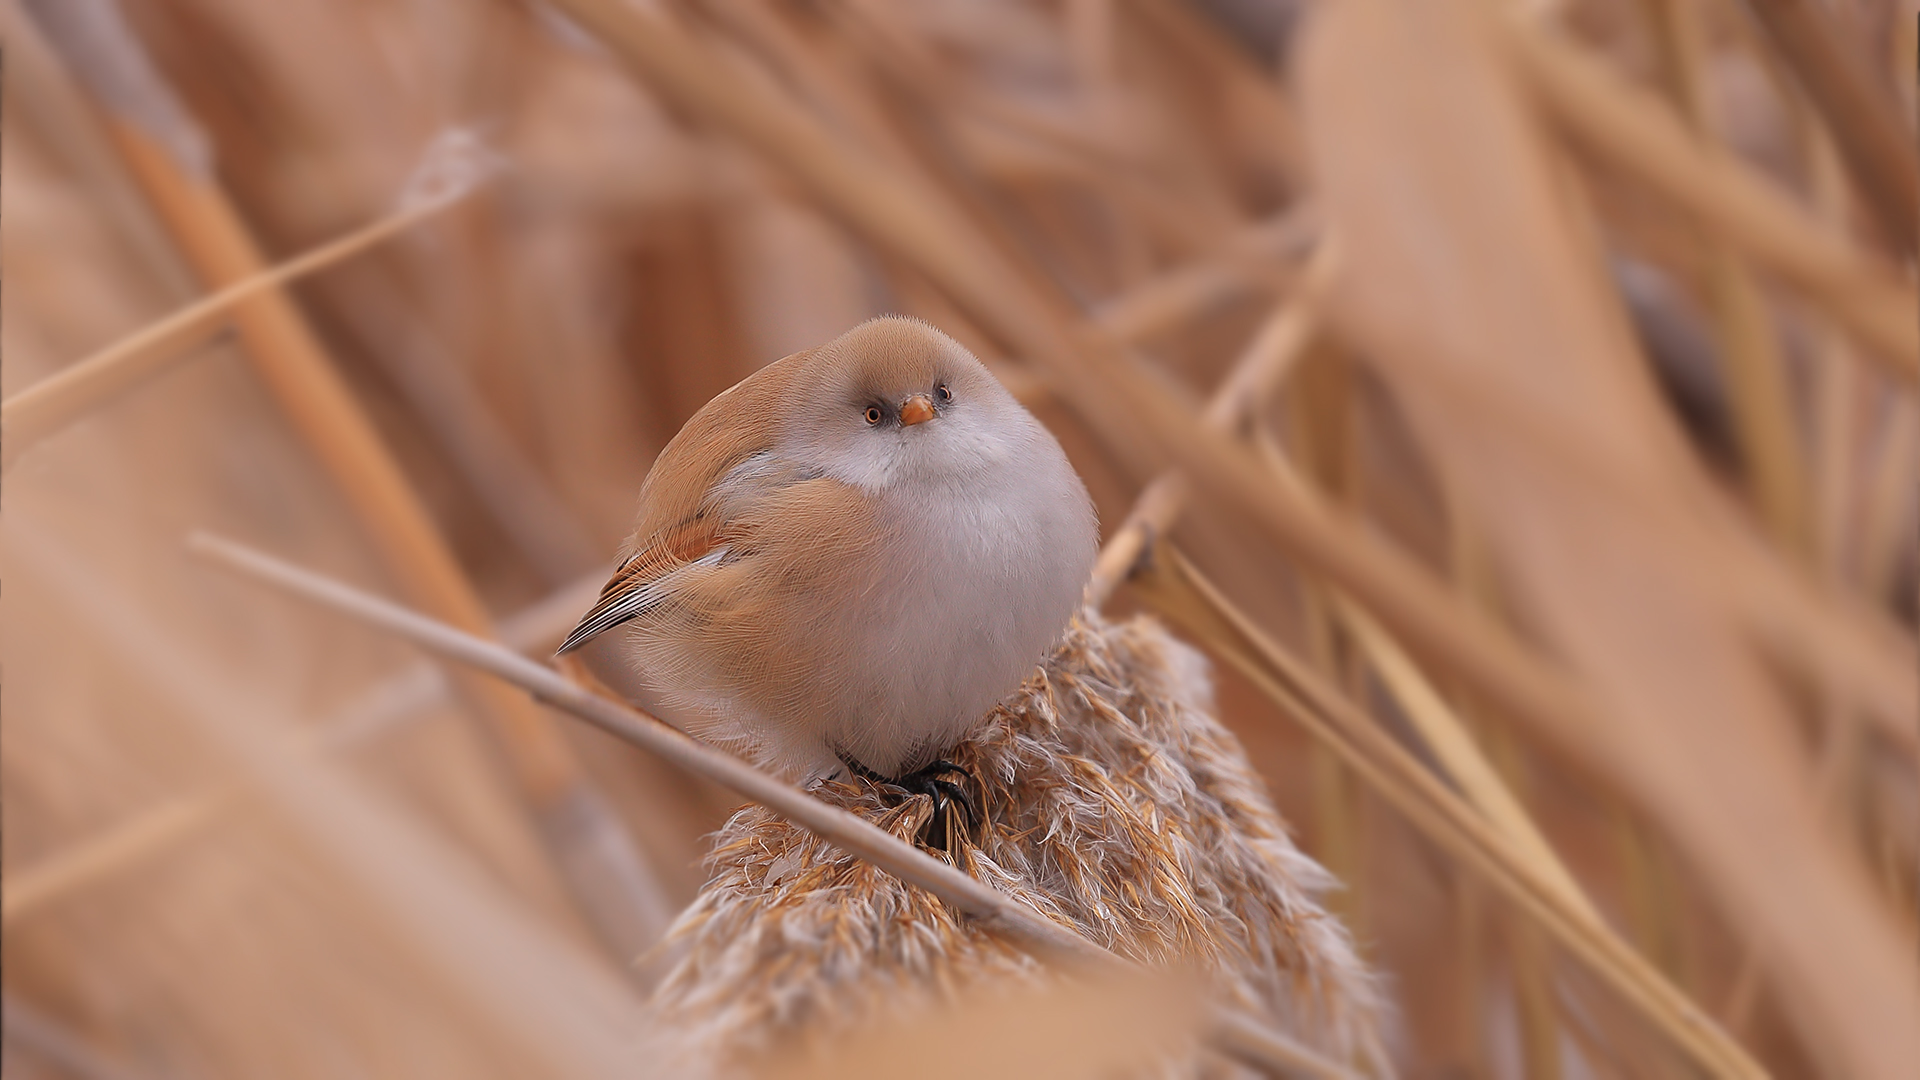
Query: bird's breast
972,591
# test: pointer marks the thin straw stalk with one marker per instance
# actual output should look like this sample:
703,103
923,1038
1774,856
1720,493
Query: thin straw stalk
59,876
1252,380
1459,755
1175,588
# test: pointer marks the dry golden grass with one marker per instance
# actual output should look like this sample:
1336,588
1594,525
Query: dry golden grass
1516,400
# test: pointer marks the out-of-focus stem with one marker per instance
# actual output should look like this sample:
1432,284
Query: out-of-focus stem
1868,130
1756,375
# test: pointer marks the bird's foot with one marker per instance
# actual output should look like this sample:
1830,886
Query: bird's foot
932,782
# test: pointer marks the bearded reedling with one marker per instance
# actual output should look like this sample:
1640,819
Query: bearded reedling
843,562
860,567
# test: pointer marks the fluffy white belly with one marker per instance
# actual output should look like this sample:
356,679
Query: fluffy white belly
979,591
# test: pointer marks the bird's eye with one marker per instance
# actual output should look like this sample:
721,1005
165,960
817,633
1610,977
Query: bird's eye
942,394
873,414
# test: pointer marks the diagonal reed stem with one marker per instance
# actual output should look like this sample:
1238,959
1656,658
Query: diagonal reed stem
993,911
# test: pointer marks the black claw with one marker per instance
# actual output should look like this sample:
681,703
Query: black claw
946,791
930,781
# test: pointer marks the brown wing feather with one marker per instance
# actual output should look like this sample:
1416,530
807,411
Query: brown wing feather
624,596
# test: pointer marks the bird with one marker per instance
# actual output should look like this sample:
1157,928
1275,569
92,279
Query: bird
843,562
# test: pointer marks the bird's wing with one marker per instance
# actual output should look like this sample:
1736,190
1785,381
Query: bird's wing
637,586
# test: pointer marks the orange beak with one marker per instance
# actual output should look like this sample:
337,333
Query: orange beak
917,409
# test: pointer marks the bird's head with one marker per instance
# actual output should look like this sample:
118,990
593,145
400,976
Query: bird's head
896,401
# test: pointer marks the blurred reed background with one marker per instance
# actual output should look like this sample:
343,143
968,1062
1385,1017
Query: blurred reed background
1541,373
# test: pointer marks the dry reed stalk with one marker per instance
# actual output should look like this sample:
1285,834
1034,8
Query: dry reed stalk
994,912
588,844
1619,122
1494,787
1870,134
1890,480
99,858
92,381
522,504
1177,590
1255,375
1469,977
1762,402
1248,383
1837,391
1750,353
1446,735
1842,731
1540,1029
1313,458
1188,220
1166,301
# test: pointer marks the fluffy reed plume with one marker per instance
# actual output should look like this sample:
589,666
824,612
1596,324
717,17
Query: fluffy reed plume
1113,802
